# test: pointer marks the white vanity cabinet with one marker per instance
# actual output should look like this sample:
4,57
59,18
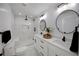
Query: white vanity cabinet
52,50
49,47
57,51
41,46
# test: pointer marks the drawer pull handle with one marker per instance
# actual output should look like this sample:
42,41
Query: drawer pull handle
35,40
42,42
42,47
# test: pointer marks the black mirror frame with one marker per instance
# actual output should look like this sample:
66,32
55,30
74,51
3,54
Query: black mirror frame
57,19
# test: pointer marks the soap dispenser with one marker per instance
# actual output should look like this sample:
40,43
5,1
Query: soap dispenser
63,39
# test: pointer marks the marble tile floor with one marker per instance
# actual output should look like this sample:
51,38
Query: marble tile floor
30,51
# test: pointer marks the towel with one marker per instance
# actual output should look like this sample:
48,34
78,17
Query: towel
6,36
74,44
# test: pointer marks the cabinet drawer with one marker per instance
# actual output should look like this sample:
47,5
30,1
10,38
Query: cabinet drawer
44,50
41,46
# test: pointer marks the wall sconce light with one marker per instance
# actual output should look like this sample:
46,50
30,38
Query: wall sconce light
43,16
26,18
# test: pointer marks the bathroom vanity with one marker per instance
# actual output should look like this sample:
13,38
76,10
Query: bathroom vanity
52,47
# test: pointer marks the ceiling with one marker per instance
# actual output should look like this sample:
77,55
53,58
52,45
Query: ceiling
30,9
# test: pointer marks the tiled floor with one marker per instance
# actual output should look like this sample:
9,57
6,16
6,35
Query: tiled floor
30,51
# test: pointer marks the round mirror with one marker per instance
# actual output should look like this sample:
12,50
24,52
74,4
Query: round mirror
67,21
42,25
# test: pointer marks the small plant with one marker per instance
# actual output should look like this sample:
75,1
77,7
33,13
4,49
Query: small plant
47,34
48,29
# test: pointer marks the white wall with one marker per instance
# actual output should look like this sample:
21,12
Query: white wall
6,17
